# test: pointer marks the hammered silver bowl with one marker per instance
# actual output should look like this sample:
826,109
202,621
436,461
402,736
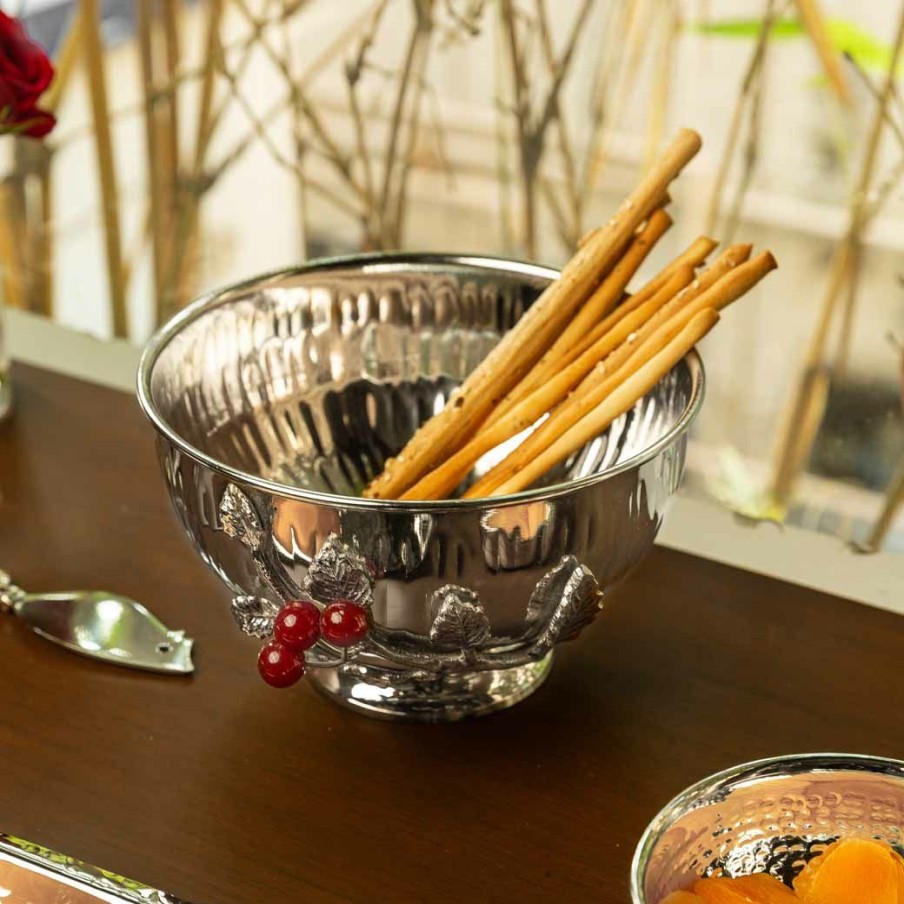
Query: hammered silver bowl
769,816
276,400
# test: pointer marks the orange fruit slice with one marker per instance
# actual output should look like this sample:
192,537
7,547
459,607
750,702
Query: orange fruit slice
853,871
682,897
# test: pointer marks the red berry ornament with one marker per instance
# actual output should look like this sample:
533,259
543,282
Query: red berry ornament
297,626
278,665
344,624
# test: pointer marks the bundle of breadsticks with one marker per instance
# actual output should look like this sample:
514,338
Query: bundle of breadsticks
583,354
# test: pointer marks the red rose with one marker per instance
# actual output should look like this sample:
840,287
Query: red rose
25,73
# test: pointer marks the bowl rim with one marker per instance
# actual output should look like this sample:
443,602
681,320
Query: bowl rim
796,763
384,262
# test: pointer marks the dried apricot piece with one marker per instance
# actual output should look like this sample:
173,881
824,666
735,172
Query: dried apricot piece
721,891
762,888
899,863
853,871
682,897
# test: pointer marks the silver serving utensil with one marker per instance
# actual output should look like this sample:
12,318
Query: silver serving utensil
101,625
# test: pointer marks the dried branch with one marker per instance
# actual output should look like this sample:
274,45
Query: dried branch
572,233
468,21
353,72
629,43
561,66
397,168
439,133
299,143
750,155
297,98
871,206
564,229
503,171
749,86
532,126
661,91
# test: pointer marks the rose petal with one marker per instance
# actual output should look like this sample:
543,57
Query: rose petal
25,68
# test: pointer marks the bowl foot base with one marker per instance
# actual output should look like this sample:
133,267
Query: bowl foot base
388,694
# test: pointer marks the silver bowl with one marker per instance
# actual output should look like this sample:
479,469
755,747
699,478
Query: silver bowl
277,399
768,816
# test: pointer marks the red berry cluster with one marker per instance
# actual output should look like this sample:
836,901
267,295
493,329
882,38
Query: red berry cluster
297,627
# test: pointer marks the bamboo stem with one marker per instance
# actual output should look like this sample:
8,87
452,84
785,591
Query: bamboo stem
796,440
10,255
212,52
188,200
167,20
815,24
156,194
106,166
894,499
43,234
661,91
65,63
170,14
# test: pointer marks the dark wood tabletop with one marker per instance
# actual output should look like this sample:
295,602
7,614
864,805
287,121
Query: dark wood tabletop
224,791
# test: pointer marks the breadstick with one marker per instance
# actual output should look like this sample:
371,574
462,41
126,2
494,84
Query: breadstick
522,346
600,303
731,257
694,255
672,317
617,403
529,410
443,479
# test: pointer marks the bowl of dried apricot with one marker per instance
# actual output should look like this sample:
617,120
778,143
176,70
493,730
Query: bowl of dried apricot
814,828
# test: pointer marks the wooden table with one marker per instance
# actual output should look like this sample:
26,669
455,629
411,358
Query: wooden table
223,791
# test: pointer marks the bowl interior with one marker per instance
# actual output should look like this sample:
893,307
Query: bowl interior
312,379
768,817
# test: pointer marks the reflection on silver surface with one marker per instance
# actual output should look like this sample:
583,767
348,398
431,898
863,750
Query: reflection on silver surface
43,876
768,816
101,625
277,400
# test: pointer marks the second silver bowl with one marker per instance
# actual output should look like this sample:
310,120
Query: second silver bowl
275,402
769,816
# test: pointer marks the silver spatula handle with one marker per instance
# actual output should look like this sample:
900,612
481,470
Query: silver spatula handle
104,626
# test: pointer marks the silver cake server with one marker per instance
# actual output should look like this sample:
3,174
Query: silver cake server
101,625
